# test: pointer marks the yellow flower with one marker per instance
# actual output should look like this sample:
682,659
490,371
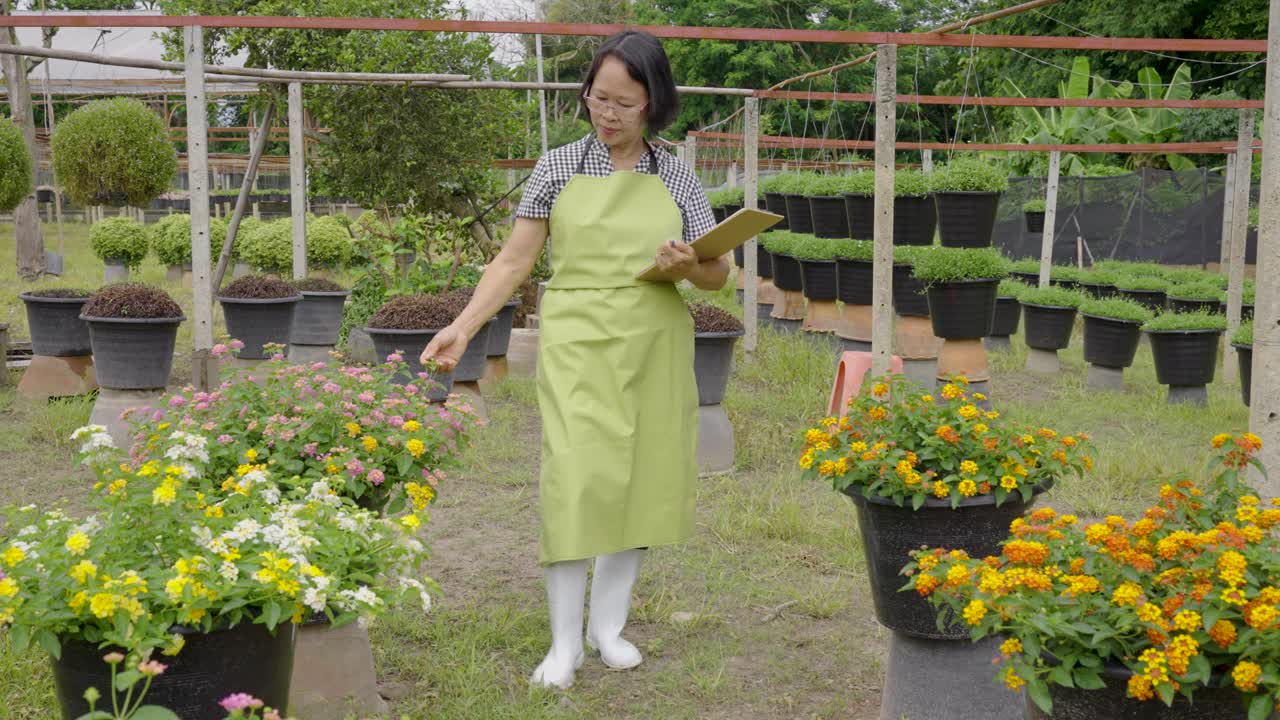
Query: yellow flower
950,391
969,467
1150,613
1253,440
83,571
975,611
968,488
78,543
174,587
806,460
412,426
166,493
1262,617
1246,676
992,414
979,396
1127,594
968,412
927,398
331,469
369,442
1187,620
13,555
858,446
1221,439
940,490
980,428
411,522
1012,680
251,454
415,447
8,587
1009,482
1012,646
117,486
877,413
177,642
353,429
103,605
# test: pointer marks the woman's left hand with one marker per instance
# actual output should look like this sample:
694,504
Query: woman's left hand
677,259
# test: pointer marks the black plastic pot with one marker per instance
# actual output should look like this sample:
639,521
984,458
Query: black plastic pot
909,298
500,331
799,216
890,533
860,211
712,363
718,213
963,309
1212,702
1032,279
55,326
258,321
729,210
471,366
318,318
1189,305
1035,221
854,281
818,278
829,219
1008,312
739,257
246,658
410,344
1185,357
1109,342
1099,290
786,273
1246,311
44,195
915,219
1244,356
764,262
1153,299
133,353
1048,327
776,203
1064,284
966,219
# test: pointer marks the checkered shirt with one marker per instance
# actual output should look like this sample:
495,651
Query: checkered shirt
555,169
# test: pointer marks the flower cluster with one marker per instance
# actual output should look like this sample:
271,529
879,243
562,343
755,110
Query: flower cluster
898,442
367,437
1185,596
162,547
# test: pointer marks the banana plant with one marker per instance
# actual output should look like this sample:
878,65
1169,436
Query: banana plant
1150,125
1071,125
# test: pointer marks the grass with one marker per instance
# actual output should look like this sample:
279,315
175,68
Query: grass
765,613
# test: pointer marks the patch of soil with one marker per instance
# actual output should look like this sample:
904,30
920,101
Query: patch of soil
417,312
132,300
259,287
59,293
709,318
318,285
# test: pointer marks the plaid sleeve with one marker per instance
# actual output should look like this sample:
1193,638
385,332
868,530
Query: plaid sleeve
687,191
539,191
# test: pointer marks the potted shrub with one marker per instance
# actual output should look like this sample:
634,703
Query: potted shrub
401,329
1026,270
171,240
113,152
1112,329
799,214
786,269
962,288
774,189
1064,276
967,193
15,167
133,329
1008,313
1242,341
318,318
1150,291
1033,211
1190,276
715,334
1098,283
121,244
826,205
1050,316
817,267
914,216
269,247
329,243
1185,349
854,265
1196,296
259,311
53,319
909,293
1178,624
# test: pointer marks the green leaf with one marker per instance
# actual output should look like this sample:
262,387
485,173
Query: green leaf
271,615
917,501
1165,691
1260,707
20,637
154,712
1039,692
126,679
1087,679
49,642
1062,676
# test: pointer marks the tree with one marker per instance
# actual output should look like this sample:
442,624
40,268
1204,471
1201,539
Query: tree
113,152
15,166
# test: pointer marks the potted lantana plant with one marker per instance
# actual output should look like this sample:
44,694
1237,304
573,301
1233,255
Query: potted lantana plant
1170,616
121,244
1033,211
1242,341
1112,329
963,284
1185,349
967,193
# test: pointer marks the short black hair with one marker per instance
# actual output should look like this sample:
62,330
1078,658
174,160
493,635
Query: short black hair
648,65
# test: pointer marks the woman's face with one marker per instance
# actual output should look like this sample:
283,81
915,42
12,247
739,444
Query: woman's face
618,104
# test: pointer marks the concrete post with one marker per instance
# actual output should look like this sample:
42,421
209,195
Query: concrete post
882,268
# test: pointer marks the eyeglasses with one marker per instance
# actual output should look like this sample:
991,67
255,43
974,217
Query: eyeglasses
599,106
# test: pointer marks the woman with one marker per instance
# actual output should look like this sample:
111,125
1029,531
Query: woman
615,354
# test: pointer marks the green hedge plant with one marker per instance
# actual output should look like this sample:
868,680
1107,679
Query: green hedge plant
782,242
113,152
1121,309
1141,283
1010,288
15,167
1097,277
969,176
1195,291
816,248
1186,276
721,198
1186,321
1051,296
171,239
783,183
909,254
1025,265
120,239
1244,334
1033,206
329,243
950,264
1064,272
856,250
269,247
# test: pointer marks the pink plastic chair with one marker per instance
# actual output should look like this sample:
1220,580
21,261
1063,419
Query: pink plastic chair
853,367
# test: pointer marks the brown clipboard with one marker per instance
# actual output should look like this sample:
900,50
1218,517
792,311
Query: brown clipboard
734,231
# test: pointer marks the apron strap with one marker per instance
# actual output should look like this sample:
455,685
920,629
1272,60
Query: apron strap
591,139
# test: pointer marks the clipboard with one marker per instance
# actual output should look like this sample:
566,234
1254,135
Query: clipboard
734,231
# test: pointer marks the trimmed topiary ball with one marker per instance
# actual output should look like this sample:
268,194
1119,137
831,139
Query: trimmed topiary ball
121,239
15,166
113,152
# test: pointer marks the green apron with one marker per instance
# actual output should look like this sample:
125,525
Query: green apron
615,374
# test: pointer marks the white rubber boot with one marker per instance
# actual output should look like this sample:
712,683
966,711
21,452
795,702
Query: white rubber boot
566,592
611,585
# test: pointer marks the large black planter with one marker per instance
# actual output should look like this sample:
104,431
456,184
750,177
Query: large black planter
1109,342
1035,221
1153,300
818,278
500,330
860,211
133,353
729,210
776,203
318,318
909,298
963,309
718,214
1188,305
1212,702
966,219
829,219
55,326
1244,356
764,262
246,658
1008,312
410,344
799,216
890,533
915,219
258,321
1185,358
471,366
854,281
1099,290
712,363
739,257
786,273
1048,327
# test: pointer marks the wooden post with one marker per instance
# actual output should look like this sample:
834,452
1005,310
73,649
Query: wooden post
750,142
1050,217
198,181
1239,232
691,153
882,268
1264,409
542,94
731,175
926,161
297,182
1228,205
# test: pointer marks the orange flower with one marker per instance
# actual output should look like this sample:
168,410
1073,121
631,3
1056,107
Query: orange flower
1223,633
1026,553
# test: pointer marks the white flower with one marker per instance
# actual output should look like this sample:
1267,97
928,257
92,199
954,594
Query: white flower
316,599
28,530
423,595
229,571
347,524
203,535
270,493
244,531
88,430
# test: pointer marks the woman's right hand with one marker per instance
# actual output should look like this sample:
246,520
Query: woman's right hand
446,348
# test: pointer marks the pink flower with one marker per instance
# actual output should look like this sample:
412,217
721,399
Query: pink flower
410,389
177,401
114,658
236,345
157,416
376,477
365,397
239,701
219,350
396,421
271,715
332,388
224,439
202,406
309,449
152,668
395,357
355,467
